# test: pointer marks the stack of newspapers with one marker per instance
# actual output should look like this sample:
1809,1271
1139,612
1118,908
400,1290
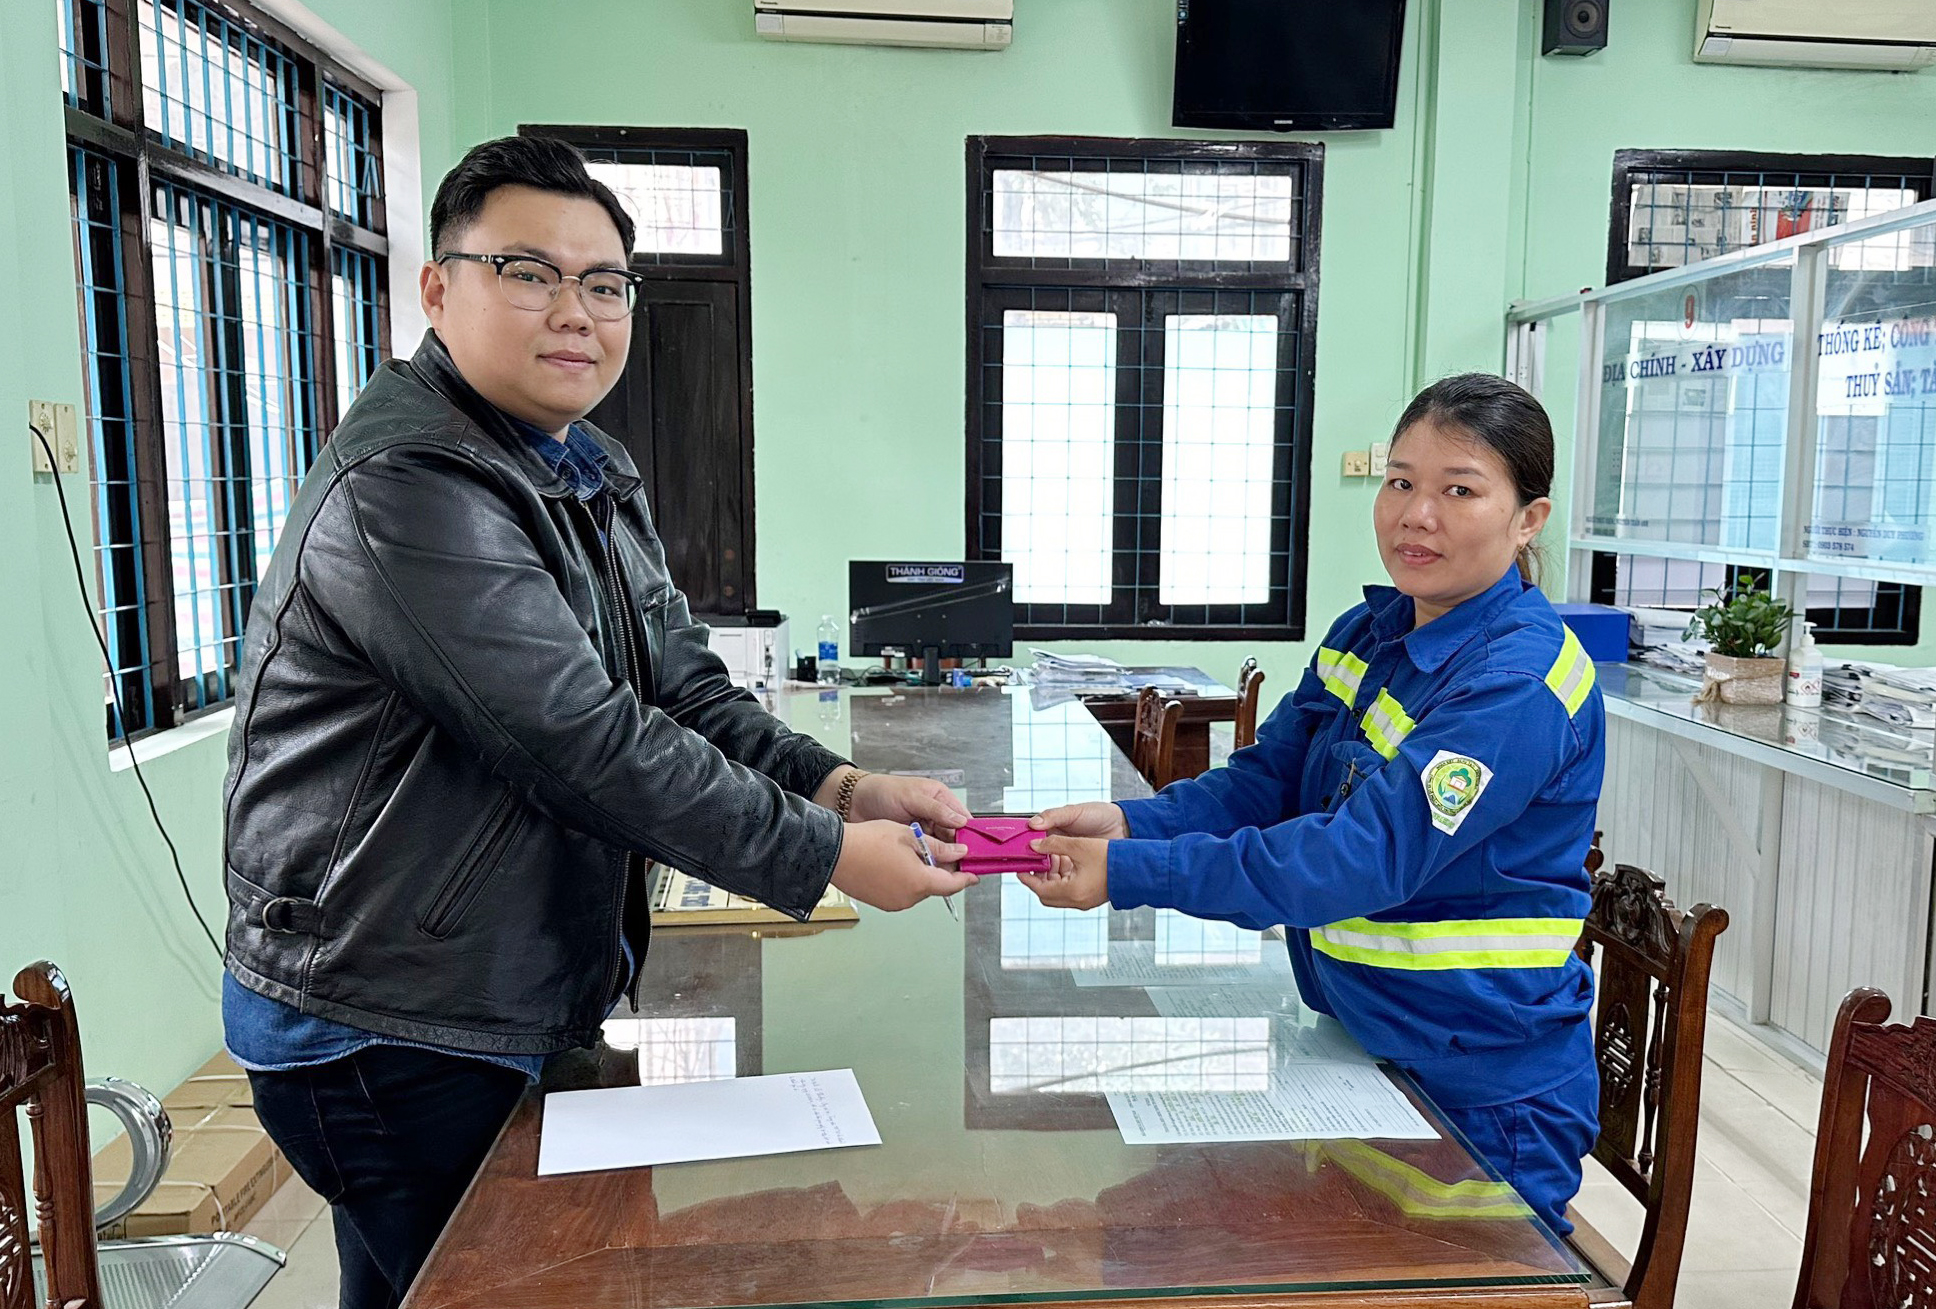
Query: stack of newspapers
1901,697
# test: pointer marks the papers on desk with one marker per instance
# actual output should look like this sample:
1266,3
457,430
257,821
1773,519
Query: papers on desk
1306,1102
1322,1084
1075,668
635,1126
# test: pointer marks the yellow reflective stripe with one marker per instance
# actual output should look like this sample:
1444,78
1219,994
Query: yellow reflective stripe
1386,724
1341,672
1455,943
1571,675
1421,1195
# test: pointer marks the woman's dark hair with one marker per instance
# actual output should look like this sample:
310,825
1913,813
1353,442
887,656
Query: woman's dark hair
1505,418
534,161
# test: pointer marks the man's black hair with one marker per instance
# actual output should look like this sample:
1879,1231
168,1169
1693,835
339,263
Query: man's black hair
534,161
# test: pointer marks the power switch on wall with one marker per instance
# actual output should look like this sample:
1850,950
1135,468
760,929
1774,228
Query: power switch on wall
57,423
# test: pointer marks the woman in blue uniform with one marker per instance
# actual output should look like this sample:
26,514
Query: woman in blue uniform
1418,811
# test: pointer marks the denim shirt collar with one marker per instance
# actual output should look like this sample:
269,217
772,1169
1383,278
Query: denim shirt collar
578,459
1431,645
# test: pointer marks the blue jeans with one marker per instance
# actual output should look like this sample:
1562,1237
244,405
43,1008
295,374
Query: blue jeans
390,1136
1537,1144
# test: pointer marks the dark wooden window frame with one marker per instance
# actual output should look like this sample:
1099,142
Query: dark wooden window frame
142,160
1896,616
733,265
1138,474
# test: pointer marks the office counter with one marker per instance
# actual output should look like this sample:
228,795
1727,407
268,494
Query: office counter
1811,827
1002,1178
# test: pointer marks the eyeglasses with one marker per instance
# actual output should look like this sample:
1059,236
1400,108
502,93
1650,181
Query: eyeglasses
529,283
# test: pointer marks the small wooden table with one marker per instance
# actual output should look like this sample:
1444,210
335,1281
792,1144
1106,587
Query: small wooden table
1002,1178
1213,703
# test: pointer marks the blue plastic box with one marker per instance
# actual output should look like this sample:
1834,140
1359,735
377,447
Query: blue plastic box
1602,630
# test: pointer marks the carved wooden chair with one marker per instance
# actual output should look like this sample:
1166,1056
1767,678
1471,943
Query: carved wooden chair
1154,748
40,1070
1250,686
1650,1023
1872,1204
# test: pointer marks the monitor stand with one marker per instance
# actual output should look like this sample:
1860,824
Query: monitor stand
931,665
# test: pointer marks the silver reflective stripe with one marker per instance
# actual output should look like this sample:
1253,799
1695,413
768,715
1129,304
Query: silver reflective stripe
1446,944
1571,675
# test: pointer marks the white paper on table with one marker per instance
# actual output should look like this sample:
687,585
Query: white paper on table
634,1126
1134,963
1305,1102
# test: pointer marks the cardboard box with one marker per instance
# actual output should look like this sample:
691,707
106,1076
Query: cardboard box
222,1170
216,1083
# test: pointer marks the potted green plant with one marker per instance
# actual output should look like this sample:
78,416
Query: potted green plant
1744,626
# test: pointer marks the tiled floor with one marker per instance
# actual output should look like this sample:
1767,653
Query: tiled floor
1743,1242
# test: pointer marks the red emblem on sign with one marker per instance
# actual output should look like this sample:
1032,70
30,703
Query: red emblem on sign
1687,312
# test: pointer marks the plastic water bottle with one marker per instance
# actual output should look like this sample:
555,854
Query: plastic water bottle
829,649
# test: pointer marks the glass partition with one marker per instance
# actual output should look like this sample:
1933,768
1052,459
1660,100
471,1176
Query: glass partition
1693,407
1700,449
1875,403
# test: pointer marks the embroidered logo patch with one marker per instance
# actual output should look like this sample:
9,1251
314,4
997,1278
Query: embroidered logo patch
1453,783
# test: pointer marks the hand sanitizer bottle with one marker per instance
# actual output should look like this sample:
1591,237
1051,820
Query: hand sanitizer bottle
1805,671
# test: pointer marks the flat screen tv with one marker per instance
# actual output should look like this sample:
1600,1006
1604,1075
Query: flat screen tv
1287,65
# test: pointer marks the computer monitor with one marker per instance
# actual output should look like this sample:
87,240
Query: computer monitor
931,611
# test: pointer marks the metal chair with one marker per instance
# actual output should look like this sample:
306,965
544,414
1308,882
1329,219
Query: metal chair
40,1069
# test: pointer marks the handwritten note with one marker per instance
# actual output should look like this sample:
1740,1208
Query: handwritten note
636,1126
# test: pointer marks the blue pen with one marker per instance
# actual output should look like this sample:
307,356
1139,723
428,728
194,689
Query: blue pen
927,857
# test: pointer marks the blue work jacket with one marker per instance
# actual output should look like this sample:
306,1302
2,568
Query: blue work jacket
1417,814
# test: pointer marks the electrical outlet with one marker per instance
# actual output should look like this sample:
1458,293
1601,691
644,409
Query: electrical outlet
1380,456
1357,463
59,424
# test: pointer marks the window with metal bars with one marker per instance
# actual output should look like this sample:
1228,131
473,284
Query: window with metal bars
1673,207
1142,317
230,258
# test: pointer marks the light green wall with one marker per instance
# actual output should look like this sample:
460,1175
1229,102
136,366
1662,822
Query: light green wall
1493,185
856,175
84,878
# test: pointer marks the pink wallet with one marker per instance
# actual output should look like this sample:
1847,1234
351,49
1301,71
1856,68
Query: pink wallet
1000,845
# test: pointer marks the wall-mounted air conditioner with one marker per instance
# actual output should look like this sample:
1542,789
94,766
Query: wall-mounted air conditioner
1889,35
952,24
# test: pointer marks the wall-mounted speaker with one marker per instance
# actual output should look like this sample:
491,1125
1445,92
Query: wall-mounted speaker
1574,27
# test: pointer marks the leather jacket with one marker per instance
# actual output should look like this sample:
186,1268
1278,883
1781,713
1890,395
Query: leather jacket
464,714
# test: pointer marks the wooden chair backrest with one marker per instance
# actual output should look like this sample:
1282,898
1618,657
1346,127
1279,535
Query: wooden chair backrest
1650,1024
1154,747
40,1070
1871,1237
1250,686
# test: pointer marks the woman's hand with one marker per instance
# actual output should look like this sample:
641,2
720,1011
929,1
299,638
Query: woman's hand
1096,818
880,865
1080,876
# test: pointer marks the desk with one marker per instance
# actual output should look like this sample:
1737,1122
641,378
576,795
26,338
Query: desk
1002,1178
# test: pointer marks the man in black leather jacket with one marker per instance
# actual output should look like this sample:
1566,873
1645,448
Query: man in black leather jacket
472,703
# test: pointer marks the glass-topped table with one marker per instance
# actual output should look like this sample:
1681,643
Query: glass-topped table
984,1048
1850,751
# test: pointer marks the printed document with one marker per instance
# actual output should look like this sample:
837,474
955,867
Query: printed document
634,1126
1307,1101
